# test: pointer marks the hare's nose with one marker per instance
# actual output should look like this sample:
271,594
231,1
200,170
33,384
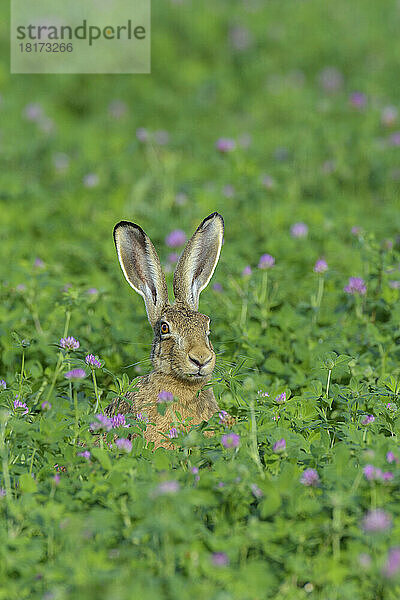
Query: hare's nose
200,363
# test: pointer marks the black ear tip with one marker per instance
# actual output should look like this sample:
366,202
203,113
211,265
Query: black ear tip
127,225
213,215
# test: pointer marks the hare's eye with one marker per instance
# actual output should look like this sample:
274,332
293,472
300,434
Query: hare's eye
164,328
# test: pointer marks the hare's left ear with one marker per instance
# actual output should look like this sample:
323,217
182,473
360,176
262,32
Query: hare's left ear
198,261
141,266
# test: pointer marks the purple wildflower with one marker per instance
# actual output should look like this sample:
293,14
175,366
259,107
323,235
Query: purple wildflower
46,124
266,261
281,153
2,492
392,564
262,394
173,257
387,244
3,384
369,472
255,490
394,284
141,417
91,180
45,405
75,374
368,419
21,287
56,478
33,112
224,145
117,109
176,238
246,271
356,285
356,230
376,520
240,38
172,433
328,167
165,396
19,404
358,100
38,264
281,399
394,139
118,421
389,116
310,477
228,190
372,473
219,559
320,266
223,415
391,458
217,287
69,343
103,423
230,440
92,361
299,230
124,444
391,406
268,182
84,454
168,487
330,79
279,446
195,472
181,198
364,560
92,291
142,134
376,474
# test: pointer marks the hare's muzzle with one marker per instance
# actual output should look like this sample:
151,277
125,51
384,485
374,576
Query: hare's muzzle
202,363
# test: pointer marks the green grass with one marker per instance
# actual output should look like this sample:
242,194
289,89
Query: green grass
106,529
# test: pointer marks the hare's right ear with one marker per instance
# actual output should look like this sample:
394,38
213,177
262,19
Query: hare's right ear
141,267
198,261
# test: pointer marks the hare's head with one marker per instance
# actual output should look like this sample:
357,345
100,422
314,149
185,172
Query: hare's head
181,346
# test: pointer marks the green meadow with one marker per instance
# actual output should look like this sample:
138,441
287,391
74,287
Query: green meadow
284,118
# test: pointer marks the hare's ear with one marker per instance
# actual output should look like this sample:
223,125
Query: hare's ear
141,267
198,261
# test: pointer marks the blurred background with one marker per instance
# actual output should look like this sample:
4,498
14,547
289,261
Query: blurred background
271,113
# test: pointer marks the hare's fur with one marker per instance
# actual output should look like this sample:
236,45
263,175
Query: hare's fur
182,355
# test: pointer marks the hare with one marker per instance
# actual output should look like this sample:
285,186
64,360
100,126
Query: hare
182,355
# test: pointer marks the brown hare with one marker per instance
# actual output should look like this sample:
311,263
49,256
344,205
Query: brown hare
182,355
